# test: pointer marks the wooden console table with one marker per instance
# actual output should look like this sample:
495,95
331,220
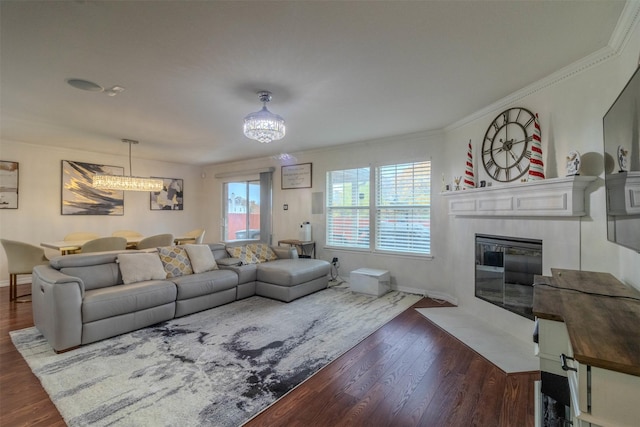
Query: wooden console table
306,249
588,332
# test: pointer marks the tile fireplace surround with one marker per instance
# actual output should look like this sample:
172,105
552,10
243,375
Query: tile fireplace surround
548,210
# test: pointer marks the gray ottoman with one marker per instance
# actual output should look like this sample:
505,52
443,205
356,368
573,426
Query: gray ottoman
289,279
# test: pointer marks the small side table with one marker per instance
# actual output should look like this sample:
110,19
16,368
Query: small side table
306,249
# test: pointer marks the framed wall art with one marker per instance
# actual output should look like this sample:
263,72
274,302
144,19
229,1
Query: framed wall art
296,176
80,198
171,196
8,185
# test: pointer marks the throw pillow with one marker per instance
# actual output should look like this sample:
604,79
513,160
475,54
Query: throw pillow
243,253
175,261
201,258
263,252
139,267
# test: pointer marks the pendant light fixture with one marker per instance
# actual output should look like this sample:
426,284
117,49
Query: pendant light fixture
263,125
127,183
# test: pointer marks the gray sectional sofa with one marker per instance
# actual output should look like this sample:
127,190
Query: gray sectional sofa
79,299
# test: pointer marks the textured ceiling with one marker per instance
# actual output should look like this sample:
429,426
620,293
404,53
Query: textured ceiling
340,71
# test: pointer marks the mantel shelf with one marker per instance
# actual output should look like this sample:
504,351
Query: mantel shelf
557,197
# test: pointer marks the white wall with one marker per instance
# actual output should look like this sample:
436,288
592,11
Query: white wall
411,273
38,218
571,109
571,112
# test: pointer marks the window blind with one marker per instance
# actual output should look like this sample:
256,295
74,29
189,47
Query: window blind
403,208
348,208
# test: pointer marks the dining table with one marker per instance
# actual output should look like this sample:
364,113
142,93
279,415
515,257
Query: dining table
67,247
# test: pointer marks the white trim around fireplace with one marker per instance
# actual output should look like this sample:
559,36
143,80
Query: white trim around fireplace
557,197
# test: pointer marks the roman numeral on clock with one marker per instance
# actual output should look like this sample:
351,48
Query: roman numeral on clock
496,173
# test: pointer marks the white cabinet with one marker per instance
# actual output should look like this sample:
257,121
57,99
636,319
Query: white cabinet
588,332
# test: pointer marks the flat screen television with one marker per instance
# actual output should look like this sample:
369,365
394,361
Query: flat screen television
621,126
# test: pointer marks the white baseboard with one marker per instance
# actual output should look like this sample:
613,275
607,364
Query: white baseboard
442,296
431,294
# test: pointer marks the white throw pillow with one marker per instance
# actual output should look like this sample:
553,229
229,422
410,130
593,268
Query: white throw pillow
201,258
139,267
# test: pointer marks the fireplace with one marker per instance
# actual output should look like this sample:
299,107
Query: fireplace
504,271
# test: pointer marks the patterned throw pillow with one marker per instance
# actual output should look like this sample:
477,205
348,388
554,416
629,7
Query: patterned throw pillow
263,252
243,253
175,261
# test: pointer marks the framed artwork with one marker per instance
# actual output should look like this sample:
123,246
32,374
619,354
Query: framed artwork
296,176
80,198
8,185
171,196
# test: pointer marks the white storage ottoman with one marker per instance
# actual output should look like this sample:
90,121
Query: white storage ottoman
370,281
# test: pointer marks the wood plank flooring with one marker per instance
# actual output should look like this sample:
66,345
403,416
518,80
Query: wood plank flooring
408,373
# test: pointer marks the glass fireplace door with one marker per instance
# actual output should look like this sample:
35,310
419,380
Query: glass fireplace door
505,268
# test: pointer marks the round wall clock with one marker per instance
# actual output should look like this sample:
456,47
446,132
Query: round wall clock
505,147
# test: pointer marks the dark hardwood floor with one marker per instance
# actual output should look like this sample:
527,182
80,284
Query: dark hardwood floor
408,373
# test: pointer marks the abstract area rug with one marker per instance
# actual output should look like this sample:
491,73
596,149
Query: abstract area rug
218,367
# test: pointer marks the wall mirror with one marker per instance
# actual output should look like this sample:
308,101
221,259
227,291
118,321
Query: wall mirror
621,126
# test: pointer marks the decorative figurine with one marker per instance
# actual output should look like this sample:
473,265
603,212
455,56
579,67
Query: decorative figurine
623,156
536,166
457,180
573,163
469,178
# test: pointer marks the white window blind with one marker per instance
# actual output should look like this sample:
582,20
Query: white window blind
403,208
348,208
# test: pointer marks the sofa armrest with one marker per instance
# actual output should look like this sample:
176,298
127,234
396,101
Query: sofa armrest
285,252
57,307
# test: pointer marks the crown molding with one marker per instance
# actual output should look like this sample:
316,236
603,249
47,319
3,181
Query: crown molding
628,20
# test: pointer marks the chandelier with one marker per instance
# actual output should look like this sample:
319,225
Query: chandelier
263,125
127,183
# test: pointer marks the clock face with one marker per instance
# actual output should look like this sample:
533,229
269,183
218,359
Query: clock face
506,144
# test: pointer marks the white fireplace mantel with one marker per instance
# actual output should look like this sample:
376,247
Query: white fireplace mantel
557,197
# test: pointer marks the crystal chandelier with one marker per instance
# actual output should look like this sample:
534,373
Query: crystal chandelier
127,183
263,125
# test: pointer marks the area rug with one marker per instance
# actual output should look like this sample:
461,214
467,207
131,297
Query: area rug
503,350
218,367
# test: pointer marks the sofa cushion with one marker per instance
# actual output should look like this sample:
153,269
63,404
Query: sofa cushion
117,300
243,253
262,251
225,262
292,272
175,261
138,267
210,282
201,258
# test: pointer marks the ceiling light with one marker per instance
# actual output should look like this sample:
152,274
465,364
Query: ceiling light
127,183
85,85
114,90
94,87
263,125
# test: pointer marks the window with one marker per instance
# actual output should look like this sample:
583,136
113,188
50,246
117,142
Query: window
403,208
348,208
242,210
400,208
